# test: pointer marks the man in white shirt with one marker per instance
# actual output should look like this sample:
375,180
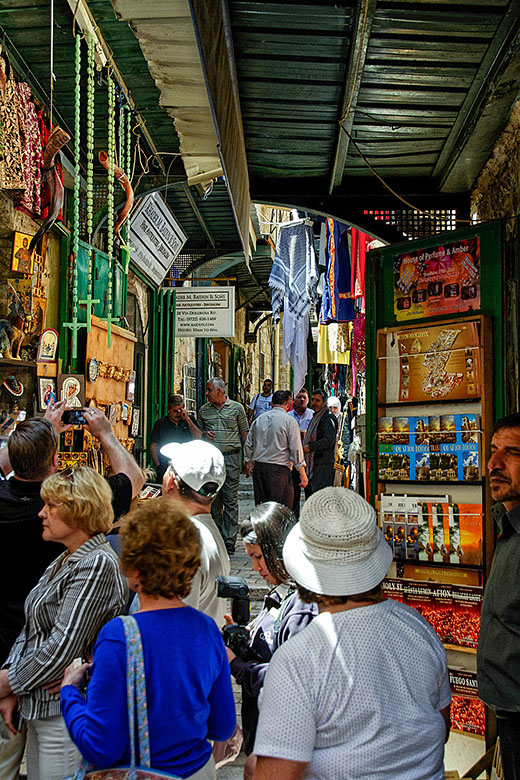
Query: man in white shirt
340,698
195,474
303,415
273,446
261,402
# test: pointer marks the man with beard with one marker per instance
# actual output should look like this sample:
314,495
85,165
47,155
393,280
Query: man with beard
498,657
319,444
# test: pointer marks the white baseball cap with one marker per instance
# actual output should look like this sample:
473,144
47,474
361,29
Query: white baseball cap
337,549
199,464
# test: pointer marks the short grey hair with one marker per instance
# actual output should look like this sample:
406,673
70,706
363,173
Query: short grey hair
218,383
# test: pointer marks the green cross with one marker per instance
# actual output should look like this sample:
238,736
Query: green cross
74,326
89,301
109,320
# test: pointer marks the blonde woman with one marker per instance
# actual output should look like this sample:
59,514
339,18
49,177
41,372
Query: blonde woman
77,594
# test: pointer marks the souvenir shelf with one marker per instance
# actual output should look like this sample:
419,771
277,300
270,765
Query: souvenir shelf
434,410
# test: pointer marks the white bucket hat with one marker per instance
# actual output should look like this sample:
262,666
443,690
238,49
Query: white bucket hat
199,464
337,549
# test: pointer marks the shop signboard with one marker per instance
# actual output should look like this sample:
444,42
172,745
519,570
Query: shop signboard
155,237
205,312
440,362
438,280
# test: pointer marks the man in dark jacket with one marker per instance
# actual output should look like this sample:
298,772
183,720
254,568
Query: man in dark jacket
319,444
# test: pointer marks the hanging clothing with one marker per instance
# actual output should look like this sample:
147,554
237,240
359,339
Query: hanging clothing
11,166
30,201
295,346
293,276
334,343
337,304
358,349
358,250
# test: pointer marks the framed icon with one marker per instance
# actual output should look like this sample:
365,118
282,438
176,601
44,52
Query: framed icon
46,392
71,388
21,260
48,346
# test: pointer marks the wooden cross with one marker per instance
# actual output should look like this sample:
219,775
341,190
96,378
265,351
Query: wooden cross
74,326
89,301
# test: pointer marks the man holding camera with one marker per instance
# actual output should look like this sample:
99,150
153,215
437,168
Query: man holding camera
196,472
178,426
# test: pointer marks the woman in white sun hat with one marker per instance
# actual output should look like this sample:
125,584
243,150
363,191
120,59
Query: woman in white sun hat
363,692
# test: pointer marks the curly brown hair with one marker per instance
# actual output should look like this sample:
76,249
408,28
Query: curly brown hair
163,545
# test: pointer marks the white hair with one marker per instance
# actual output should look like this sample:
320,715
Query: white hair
218,383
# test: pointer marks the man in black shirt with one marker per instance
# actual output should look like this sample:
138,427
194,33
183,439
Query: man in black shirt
32,454
498,654
177,427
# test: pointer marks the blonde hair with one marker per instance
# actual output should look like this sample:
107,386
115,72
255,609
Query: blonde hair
163,545
84,497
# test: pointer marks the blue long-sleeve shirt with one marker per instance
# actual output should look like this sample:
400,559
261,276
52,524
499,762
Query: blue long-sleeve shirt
188,689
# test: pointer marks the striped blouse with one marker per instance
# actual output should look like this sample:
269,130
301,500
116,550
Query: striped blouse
64,613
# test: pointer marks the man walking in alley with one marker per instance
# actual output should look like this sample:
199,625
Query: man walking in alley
498,655
272,446
319,444
261,402
178,426
224,423
195,474
303,415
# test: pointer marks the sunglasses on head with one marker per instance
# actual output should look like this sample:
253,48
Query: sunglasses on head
209,489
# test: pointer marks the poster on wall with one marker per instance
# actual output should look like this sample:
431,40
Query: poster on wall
439,363
437,281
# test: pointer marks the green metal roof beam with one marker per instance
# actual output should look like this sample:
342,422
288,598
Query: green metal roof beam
200,218
358,52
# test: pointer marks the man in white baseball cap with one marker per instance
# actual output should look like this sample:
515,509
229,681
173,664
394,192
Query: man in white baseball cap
348,695
195,474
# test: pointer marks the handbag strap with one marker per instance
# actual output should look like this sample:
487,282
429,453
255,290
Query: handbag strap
136,694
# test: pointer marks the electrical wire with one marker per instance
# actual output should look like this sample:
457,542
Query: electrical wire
387,186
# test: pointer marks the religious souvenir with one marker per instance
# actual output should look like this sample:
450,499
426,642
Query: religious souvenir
48,346
71,388
46,392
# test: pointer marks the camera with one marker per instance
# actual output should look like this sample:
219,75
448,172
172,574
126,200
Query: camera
73,417
236,636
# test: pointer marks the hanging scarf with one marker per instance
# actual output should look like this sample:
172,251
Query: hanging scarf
311,435
337,303
293,275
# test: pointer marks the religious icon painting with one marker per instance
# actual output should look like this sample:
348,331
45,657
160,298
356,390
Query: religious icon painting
71,388
39,305
46,392
19,298
21,260
48,346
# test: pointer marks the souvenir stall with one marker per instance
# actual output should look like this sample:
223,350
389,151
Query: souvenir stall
434,368
31,188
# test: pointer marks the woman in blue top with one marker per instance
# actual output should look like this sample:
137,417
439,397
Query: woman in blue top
188,685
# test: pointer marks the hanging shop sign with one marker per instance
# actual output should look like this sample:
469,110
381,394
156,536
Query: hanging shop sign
156,237
437,280
205,313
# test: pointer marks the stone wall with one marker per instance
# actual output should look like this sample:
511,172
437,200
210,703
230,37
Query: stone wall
496,194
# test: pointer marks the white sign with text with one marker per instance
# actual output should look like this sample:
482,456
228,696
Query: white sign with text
155,237
205,312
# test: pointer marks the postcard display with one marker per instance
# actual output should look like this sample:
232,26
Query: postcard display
431,408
